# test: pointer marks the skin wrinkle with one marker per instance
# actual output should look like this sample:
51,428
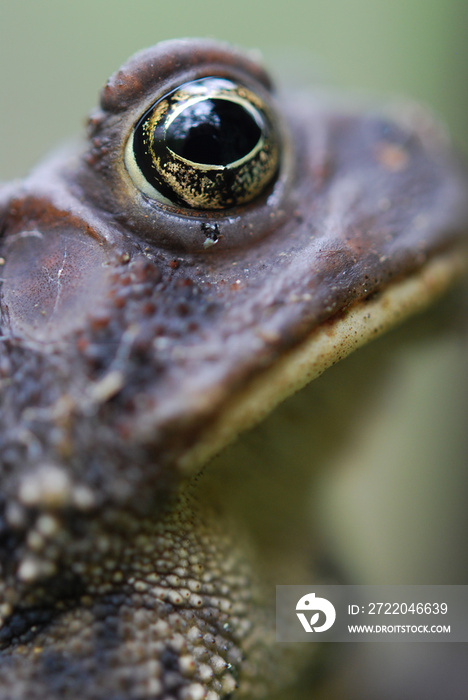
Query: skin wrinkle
123,574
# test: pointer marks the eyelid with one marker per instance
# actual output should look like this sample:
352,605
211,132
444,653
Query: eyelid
137,206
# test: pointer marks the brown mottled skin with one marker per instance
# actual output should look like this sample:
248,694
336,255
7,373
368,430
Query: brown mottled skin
122,342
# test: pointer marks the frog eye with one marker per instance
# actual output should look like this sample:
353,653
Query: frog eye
209,144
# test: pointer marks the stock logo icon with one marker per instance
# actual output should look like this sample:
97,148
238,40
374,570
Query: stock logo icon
314,606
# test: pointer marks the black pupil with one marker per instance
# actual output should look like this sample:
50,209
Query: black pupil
213,132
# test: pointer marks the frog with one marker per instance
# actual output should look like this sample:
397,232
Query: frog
208,249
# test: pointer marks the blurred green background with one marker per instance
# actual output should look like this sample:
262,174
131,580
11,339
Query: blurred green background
55,55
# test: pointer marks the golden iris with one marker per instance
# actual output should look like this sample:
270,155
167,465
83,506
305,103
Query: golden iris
209,144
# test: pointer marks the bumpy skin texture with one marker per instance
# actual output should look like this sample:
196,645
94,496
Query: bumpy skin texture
169,613
123,339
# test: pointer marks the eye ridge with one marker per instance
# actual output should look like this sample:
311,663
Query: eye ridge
209,144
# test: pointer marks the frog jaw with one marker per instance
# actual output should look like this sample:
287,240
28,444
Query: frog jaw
178,595
327,345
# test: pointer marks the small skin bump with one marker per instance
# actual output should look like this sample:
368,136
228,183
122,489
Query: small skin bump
195,601
228,684
187,665
174,597
205,672
194,585
218,664
32,569
48,526
141,586
49,486
193,692
153,688
194,634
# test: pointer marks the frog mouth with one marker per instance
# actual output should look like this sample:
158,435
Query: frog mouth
327,345
265,478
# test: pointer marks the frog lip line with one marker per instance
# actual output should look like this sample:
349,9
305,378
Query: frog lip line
363,322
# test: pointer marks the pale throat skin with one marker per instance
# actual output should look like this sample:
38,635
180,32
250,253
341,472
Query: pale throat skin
140,335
